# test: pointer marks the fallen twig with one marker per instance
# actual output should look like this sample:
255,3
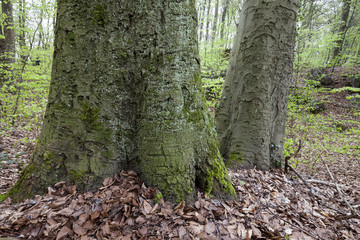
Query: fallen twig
320,182
312,192
353,212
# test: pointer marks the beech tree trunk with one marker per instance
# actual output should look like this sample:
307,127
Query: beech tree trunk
252,112
126,94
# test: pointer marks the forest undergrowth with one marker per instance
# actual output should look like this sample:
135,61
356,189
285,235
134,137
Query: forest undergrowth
317,198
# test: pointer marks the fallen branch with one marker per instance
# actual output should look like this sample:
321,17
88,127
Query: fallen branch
312,191
353,212
321,182
346,217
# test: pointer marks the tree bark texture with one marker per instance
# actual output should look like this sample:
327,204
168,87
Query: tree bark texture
7,43
252,111
126,94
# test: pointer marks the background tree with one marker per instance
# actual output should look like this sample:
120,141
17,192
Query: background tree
343,26
252,111
7,40
22,28
217,27
126,94
319,36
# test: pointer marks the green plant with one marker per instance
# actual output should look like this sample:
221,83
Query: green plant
158,197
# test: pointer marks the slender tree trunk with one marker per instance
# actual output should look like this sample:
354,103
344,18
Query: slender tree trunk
344,20
126,94
215,21
223,17
208,21
7,44
202,8
252,111
41,29
22,21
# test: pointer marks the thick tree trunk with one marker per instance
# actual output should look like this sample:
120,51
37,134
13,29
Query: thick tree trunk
126,94
7,44
252,111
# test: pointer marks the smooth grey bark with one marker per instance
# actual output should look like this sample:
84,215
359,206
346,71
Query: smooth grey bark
7,43
252,111
126,94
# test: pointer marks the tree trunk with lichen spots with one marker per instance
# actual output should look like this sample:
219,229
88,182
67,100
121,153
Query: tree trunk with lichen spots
252,111
126,95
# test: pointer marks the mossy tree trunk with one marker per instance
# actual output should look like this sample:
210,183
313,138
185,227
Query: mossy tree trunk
252,111
126,95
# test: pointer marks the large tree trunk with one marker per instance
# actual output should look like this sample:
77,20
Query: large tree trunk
126,94
7,43
252,111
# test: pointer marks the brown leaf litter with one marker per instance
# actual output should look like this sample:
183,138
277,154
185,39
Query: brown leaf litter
270,205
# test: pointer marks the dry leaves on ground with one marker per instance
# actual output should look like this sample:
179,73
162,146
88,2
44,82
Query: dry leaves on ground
270,206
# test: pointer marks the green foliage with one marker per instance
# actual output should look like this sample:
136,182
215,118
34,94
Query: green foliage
214,58
351,89
23,98
318,34
23,94
158,197
318,133
213,90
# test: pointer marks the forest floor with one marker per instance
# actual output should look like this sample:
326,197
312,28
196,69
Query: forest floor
319,199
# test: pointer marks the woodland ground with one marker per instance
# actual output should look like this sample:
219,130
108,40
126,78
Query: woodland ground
320,201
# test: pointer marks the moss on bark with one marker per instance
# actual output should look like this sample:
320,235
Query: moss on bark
126,94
